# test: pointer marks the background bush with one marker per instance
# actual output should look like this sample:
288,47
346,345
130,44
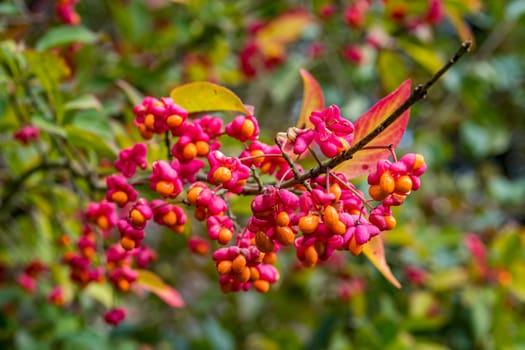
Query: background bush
458,248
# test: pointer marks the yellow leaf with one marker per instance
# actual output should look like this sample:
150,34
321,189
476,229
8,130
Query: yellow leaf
427,58
283,30
153,283
206,97
101,292
461,26
375,252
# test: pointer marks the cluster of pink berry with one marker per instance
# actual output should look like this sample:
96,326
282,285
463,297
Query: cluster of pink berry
357,14
316,217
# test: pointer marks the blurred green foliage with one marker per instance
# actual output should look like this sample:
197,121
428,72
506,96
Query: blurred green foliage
78,84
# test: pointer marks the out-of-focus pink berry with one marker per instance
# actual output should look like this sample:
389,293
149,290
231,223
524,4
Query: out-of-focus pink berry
130,158
115,316
119,191
27,134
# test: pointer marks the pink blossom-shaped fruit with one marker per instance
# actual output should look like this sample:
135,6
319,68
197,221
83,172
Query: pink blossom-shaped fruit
115,316
212,126
116,256
102,214
354,15
87,246
130,237
315,50
296,140
156,116
208,204
436,12
27,134
252,59
165,180
27,282
270,164
56,296
188,170
144,256
333,133
220,228
416,275
168,215
119,191
65,10
353,54
139,214
130,158
227,171
35,268
243,128
193,142
123,277
382,218
199,245
254,154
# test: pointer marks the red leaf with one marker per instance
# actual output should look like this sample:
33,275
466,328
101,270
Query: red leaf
151,282
364,160
375,252
312,99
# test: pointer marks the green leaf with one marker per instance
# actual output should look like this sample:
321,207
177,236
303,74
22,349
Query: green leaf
92,121
375,252
64,35
313,99
205,97
153,283
50,70
89,140
391,69
133,95
8,9
448,279
88,101
48,126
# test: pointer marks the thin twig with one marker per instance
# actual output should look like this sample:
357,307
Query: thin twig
417,94
167,142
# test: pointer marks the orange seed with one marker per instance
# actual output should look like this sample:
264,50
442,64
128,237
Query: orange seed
222,175
283,219
239,263
224,267
119,197
308,223
263,242
284,235
387,182
262,286
403,184
225,235
164,188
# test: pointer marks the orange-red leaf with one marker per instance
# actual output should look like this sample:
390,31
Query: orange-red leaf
375,252
364,160
203,96
153,283
312,99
